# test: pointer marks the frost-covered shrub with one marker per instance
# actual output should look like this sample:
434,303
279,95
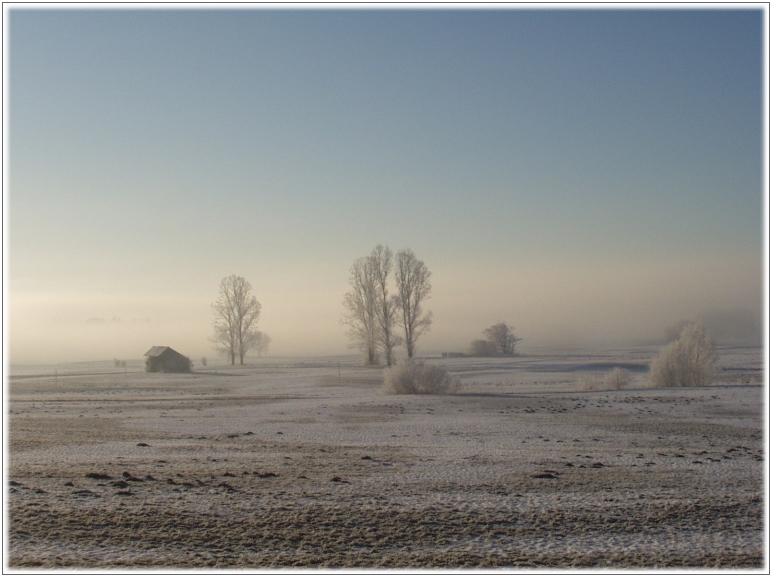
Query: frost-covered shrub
614,380
617,378
414,378
590,383
688,362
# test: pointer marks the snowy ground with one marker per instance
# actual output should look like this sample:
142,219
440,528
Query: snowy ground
304,463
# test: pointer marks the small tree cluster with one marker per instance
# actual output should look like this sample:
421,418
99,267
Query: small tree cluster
236,313
374,313
500,341
412,378
689,361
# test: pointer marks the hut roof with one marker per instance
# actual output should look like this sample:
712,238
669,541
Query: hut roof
158,351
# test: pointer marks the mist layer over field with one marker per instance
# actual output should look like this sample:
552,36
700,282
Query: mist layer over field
548,305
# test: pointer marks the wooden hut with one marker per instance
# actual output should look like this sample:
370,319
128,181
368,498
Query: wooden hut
166,360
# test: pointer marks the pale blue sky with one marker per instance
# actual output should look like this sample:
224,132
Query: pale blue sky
575,173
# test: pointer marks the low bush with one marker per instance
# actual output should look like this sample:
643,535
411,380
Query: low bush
414,378
688,362
617,378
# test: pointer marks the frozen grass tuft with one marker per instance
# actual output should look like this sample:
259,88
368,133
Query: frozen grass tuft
617,379
413,378
614,380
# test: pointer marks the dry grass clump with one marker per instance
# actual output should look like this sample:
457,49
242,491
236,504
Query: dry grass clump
590,383
413,378
618,378
614,380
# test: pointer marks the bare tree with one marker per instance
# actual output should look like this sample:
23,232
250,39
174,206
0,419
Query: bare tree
250,340
236,313
361,309
503,338
413,288
263,342
224,338
386,304
688,362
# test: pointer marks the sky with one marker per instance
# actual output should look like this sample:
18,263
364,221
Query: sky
589,177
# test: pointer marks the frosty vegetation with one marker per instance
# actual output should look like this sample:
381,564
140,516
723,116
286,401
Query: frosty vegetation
414,378
689,361
500,341
616,379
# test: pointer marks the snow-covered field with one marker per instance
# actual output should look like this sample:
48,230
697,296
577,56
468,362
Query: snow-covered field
304,463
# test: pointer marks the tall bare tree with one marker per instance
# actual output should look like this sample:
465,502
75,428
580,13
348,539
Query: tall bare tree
381,261
413,288
236,313
361,309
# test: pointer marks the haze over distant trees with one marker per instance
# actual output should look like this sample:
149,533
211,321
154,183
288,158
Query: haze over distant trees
236,314
734,325
674,331
262,342
500,341
373,313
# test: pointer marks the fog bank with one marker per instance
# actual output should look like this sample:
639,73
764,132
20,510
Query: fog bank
547,304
